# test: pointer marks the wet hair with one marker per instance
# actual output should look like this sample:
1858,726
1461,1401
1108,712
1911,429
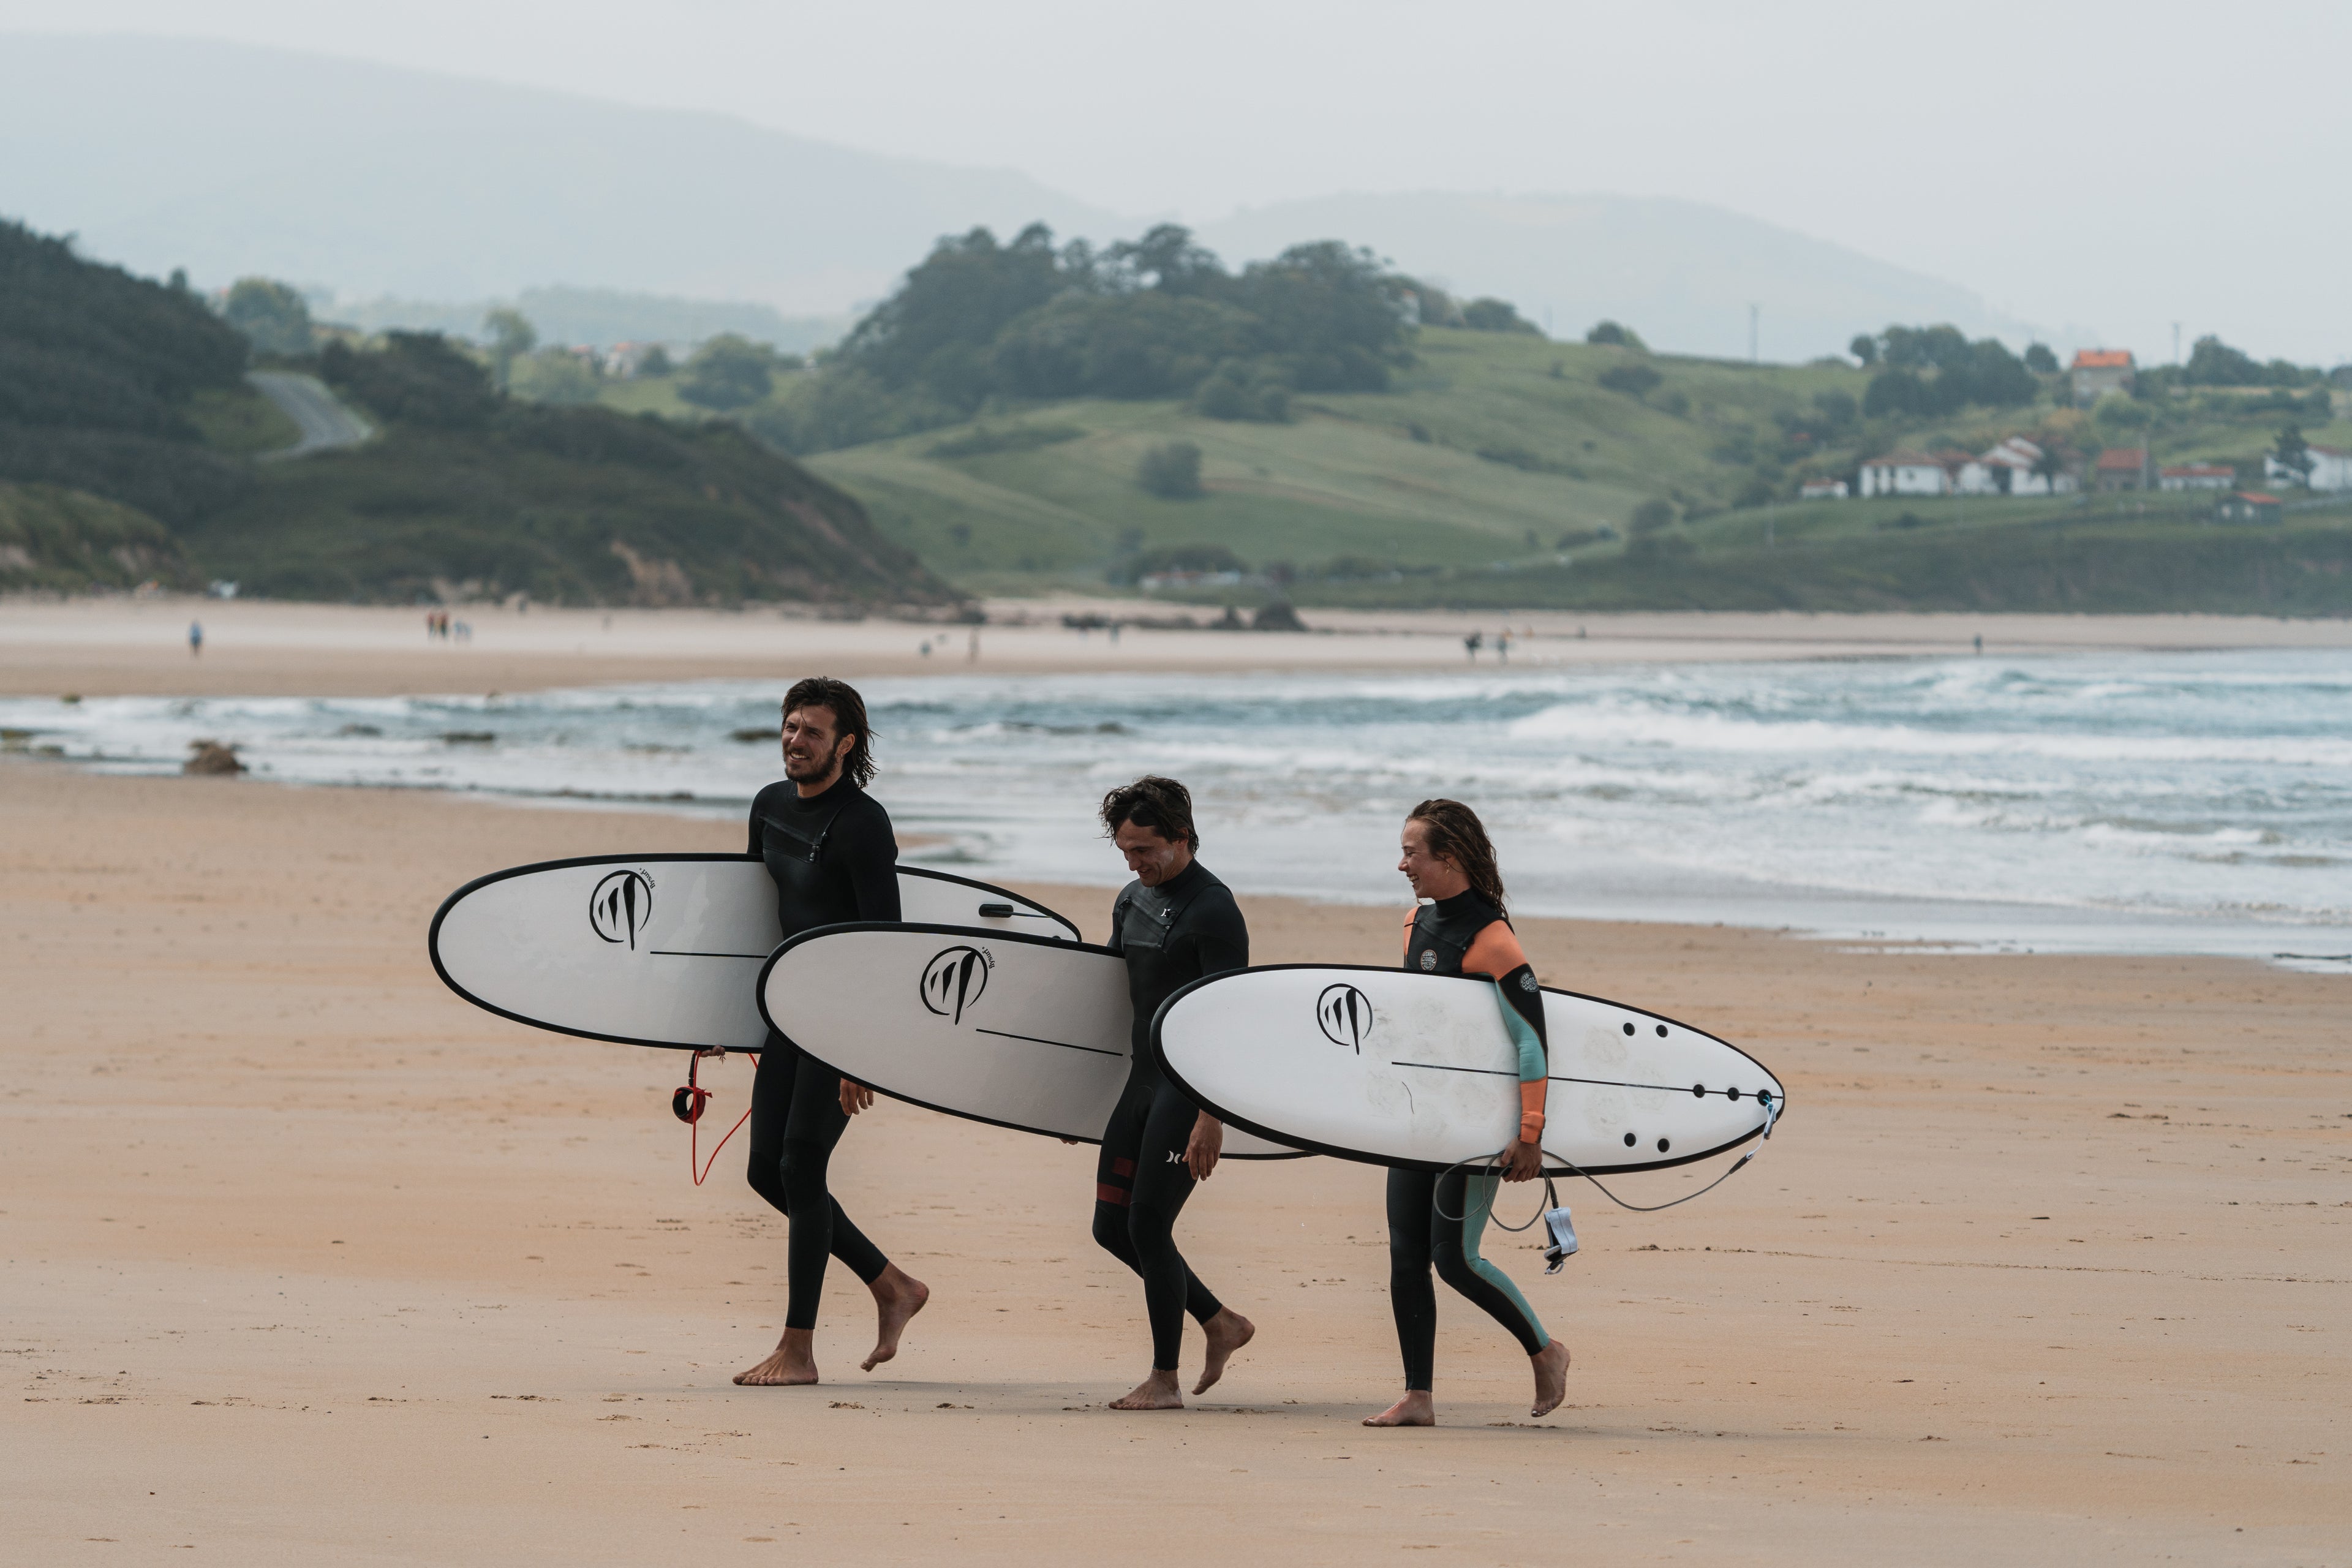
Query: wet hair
848,719
1161,805
1455,833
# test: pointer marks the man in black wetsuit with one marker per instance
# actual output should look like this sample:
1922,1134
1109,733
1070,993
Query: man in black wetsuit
829,847
1174,923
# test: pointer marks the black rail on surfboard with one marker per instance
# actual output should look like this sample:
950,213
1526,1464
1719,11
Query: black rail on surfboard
1298,1151
432,933
1552,1165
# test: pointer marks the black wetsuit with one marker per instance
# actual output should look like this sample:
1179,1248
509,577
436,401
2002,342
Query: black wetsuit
1437,1218
834,858
1187,927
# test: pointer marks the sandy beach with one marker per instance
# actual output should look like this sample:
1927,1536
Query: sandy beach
307,1260
97,647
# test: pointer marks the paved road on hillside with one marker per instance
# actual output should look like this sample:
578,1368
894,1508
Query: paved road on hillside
325,422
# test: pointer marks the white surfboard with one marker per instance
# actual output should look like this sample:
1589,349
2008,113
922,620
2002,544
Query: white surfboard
1400,1069
1014,1030
658,950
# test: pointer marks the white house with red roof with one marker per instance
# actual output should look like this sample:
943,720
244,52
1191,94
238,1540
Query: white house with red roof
2010,468
2197,477
2121,469
2098,372
1905,473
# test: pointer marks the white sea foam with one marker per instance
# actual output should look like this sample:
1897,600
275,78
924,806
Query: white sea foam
2179,800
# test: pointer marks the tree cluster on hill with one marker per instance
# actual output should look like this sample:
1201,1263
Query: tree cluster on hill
96,371
273,316
2212,362
979,320
1936,371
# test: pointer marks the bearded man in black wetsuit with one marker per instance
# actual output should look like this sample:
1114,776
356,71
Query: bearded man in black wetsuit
1174,923
829,847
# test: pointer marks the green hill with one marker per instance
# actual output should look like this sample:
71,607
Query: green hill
1498,455
127,439
1027,417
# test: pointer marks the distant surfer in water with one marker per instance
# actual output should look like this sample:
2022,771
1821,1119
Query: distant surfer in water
1439,1219
829,847
1174,923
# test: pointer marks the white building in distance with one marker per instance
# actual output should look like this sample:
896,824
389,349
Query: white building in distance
2331,470
1906,474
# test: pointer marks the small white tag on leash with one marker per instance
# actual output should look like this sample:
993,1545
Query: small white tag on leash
1563,1238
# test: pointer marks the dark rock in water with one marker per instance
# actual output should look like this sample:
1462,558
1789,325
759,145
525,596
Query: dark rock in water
359,729
753,736
211,757
469,737
1277,616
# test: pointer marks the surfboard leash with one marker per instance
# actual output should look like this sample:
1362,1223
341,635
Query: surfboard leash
687,1103
1492,1165
1771,1115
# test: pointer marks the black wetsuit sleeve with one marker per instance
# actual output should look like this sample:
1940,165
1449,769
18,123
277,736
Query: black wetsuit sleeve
1524,996
1118,942
758,848
868,851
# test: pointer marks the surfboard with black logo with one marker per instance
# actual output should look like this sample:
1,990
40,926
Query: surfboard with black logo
1015,1030
1400,1068
659,950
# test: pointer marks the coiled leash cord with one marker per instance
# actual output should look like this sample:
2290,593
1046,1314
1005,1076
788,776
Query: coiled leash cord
687,1102
1491,1165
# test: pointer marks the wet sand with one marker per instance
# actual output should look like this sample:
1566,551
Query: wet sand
122,646
307,1260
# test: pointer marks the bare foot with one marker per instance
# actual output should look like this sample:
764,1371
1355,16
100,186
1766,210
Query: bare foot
1158,1391
1551,1378
897,1296
1417,1408
794,1362
1227,1332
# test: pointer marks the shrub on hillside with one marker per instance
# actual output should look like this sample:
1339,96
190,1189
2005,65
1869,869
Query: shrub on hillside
273,316
1171,470
416,378
728,372
1491,315
1611,334
1236,390
1650,516
1634,379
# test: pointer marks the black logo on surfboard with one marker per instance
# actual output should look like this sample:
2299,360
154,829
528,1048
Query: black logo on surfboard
954,980
620,907
1344,1014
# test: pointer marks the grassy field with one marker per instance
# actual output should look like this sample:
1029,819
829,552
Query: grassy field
1458,485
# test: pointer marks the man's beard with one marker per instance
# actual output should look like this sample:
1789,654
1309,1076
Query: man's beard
806,770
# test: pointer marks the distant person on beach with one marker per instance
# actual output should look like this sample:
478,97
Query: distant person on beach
835,859
1470,645
195,639
1439,1219
1174,923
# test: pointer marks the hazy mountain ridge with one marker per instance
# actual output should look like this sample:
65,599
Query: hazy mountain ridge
1681,273
374,181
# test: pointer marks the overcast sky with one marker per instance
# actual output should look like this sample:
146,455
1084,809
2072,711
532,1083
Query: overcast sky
2116,166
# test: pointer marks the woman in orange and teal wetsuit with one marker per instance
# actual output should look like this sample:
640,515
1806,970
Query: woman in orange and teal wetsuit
1438,1219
